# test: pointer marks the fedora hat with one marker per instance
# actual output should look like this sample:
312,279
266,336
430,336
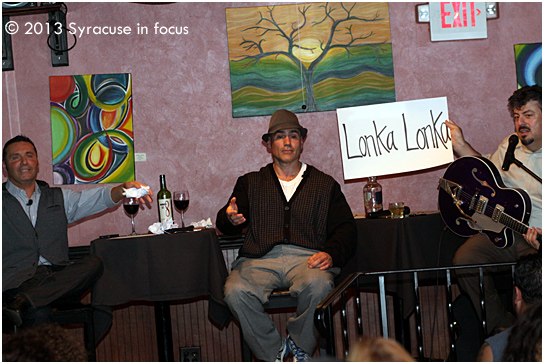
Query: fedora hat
284,119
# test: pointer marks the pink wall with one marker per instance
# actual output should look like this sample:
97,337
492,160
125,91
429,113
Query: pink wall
182,106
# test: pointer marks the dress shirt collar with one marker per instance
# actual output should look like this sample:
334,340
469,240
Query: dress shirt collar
20,194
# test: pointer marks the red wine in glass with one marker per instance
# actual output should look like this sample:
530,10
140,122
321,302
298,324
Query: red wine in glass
131,206
131,209
181,205
181,201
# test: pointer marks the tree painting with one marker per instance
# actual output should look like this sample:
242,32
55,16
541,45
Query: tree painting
309,57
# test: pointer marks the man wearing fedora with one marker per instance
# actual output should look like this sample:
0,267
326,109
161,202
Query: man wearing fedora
300,232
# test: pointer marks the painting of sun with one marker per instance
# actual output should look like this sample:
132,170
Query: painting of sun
309,57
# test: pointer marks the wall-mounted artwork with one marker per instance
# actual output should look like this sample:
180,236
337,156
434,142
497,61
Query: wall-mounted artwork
309,57
91,128
528,64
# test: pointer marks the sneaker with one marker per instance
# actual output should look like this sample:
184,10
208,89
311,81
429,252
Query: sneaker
283,352
298,353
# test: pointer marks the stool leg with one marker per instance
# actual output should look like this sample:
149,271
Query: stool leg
88,328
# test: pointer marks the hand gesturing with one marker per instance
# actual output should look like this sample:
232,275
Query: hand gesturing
232,213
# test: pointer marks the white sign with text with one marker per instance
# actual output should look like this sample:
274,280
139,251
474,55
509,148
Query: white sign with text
397,137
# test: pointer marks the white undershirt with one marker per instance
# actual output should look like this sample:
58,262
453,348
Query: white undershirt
289,187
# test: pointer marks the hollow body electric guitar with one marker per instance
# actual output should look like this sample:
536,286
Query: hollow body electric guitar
472,198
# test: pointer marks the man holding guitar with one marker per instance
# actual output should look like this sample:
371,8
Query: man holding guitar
525,106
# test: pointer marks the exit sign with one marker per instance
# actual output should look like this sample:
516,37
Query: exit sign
457,20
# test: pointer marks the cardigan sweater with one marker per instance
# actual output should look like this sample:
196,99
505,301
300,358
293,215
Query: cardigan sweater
316,217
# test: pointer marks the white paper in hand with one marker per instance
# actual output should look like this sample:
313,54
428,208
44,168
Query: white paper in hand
136,192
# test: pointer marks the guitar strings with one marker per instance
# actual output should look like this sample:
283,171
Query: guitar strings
504,219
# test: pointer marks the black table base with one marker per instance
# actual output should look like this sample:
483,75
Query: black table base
163,324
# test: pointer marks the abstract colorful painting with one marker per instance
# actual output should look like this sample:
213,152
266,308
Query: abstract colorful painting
91,128
309,57
528,64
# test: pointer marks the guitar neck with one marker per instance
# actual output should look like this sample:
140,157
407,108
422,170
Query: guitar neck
513,224
516,225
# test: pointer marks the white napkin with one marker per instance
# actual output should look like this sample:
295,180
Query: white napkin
203,223
158,228
136,192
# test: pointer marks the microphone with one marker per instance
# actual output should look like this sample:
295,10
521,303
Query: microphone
29,203
509,156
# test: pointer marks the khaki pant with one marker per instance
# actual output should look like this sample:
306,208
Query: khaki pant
252,280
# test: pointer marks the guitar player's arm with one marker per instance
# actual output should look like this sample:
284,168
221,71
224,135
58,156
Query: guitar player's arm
461,147
532,237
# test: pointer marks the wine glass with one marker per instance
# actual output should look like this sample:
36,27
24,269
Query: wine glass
131,206
181,201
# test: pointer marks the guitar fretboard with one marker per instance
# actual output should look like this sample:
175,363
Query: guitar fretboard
512,223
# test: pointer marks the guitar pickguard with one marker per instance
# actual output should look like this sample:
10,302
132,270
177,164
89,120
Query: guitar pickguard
484,222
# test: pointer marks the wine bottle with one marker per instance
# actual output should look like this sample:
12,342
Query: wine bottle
164,199
373,197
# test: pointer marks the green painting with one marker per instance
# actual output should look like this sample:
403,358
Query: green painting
528,64
309,57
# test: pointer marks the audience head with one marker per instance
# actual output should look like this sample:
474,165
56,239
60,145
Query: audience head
379,349
528,281
45,342
525,339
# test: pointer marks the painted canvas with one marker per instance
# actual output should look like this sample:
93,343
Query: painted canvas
528,64
309,57
91,128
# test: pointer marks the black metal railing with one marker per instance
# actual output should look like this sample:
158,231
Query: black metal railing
324,312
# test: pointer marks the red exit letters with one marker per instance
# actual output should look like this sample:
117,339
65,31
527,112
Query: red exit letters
455,14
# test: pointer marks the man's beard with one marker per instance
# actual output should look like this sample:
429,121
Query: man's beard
528,138
527,141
